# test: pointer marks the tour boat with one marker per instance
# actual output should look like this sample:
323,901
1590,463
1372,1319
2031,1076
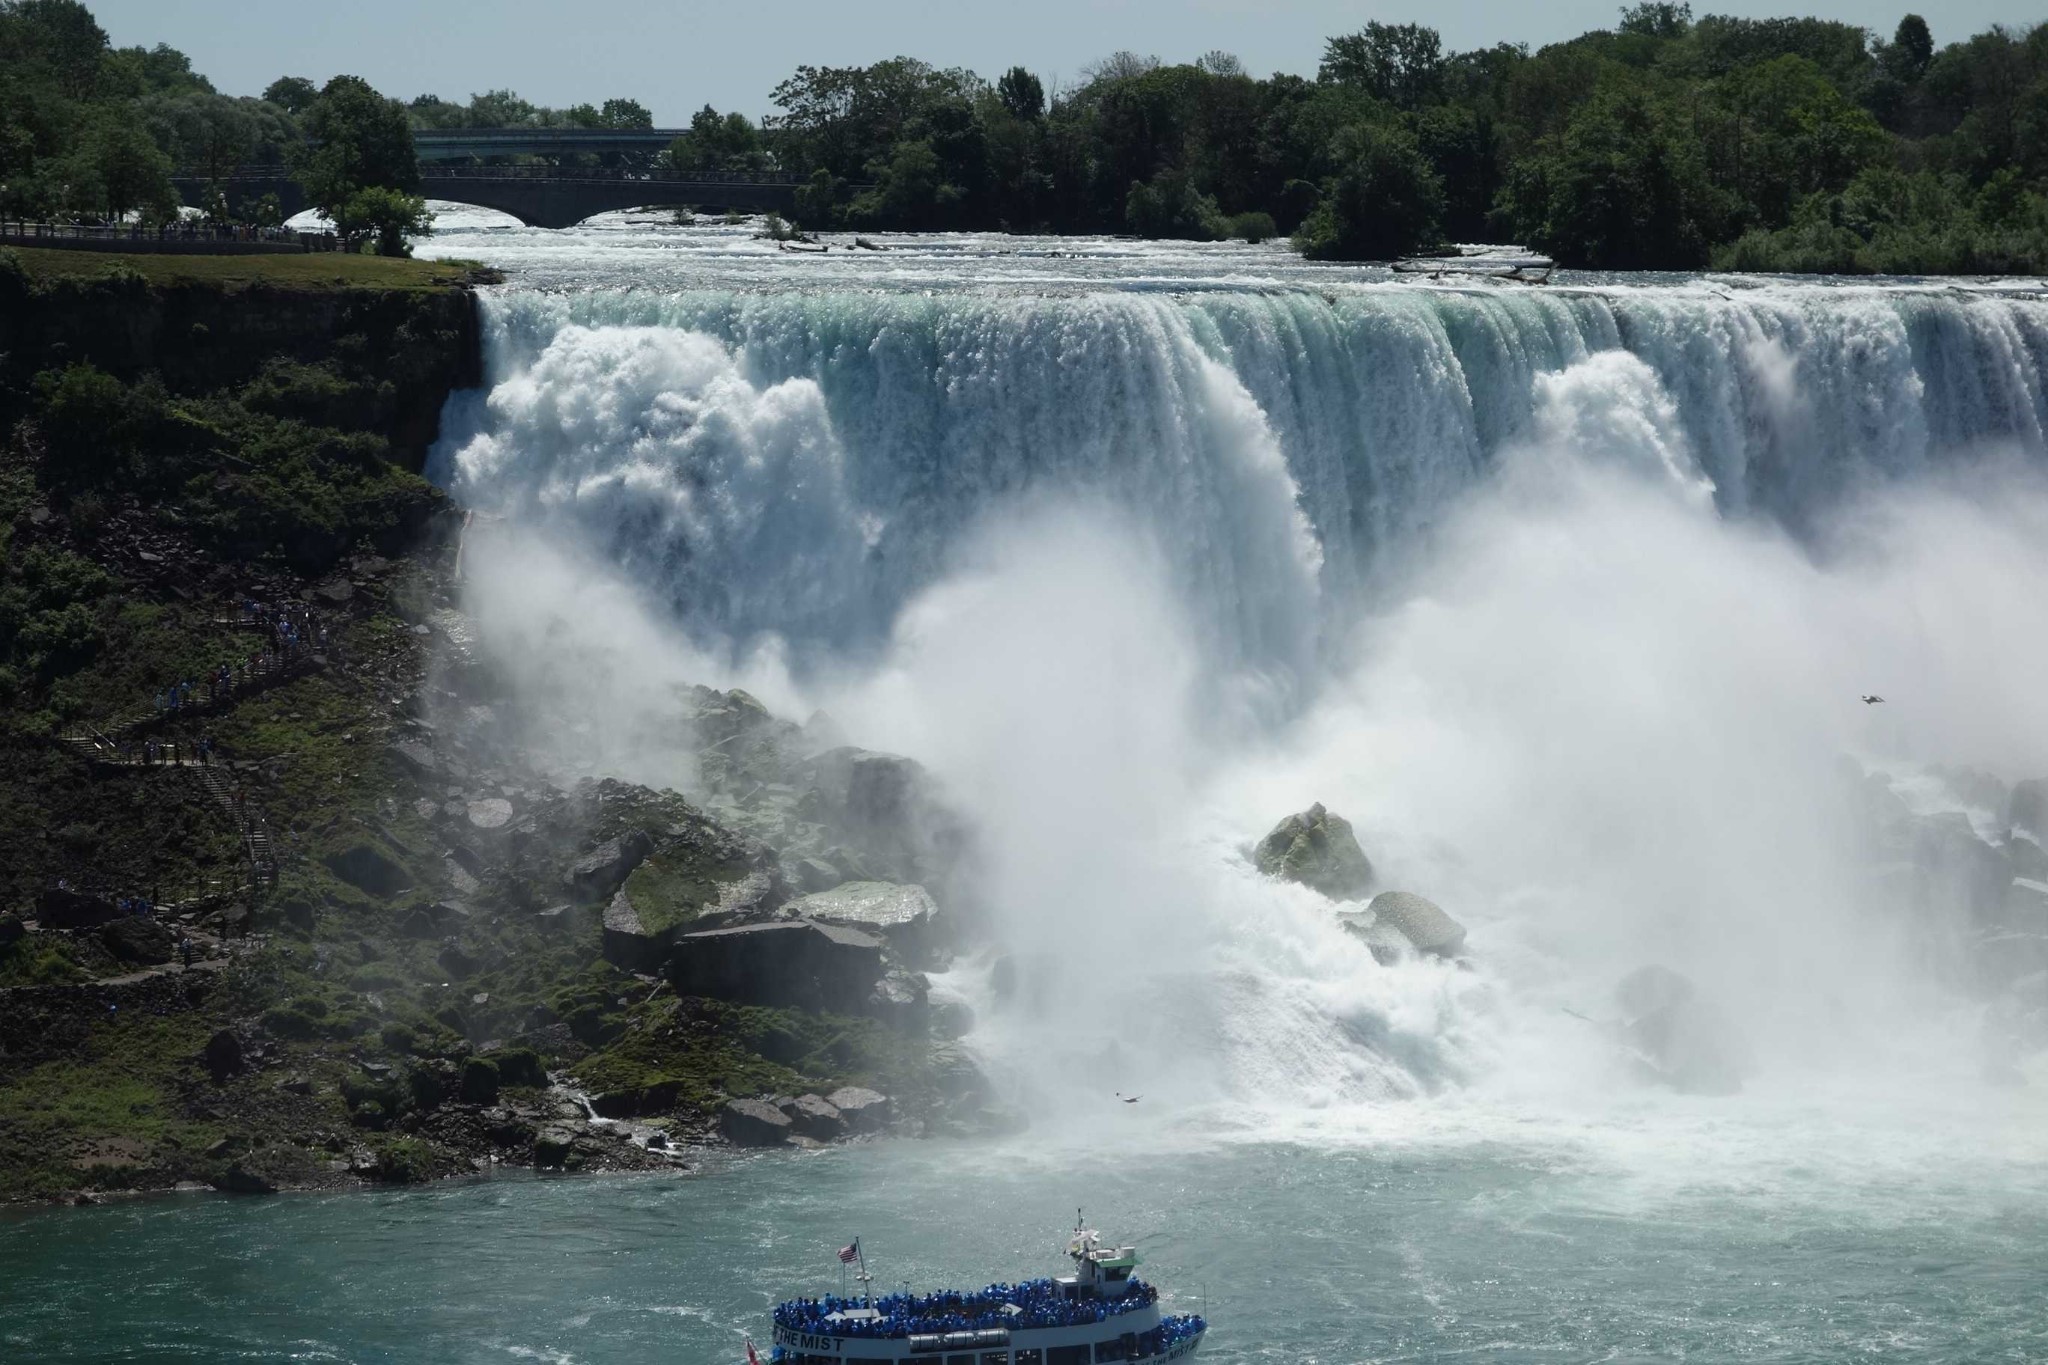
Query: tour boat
1101,1312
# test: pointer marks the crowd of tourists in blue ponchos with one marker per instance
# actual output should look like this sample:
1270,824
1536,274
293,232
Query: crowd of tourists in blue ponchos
1040,1304
1170,1333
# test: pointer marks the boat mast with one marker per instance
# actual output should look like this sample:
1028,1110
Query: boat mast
867,1297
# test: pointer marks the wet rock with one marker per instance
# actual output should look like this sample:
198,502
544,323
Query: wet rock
1677,1037
629,942
139,939
902,914
479,1081
369,869
12,930
815,1117
598,874
223,1056
1421,924
813,874
788,962
418,756
754,1123
2026,810
493,812
457,961
862,1110
552,1146
899,998
950,1019
1318,850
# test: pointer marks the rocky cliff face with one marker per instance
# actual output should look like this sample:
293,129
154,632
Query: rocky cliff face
414,346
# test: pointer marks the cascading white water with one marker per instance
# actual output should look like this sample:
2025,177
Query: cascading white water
1564,597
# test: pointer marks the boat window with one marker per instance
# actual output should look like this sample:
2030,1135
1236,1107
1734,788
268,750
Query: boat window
995,1358
1027,1358
960,1360
1112,1350
1066,1355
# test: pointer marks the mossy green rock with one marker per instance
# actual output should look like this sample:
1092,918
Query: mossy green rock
1318,850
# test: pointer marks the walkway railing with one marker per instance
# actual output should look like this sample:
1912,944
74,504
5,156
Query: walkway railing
168,237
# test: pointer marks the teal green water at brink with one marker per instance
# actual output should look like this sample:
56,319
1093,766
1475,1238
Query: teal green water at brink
1321,1258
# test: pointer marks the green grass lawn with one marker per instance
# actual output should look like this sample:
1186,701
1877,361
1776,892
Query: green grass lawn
309,270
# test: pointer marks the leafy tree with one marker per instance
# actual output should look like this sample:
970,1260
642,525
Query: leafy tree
389,217
1914,44
1622,189
61,38
1385,202
357,140
1171,205
623,113
1656,19
118,168
1021,93
1399,63
293,94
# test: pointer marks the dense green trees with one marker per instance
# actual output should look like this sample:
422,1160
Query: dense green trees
358,166
1665,142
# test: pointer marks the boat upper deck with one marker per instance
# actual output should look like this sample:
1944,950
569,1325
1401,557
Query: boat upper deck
1024,1307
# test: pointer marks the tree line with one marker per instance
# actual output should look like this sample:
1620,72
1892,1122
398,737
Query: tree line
1665,142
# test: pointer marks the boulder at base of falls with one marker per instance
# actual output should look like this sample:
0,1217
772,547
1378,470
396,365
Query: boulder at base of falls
861,1109
2026,810
1318,850
902,914
1677,1037
598,874
815,1117
1399,922
787,962
754,1123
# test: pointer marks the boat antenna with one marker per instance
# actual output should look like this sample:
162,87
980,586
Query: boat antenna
867,1296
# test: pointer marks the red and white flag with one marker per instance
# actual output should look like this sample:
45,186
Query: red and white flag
752,1359
849,1252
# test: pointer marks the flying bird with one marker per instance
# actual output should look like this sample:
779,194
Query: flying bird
1872,700
1128,1099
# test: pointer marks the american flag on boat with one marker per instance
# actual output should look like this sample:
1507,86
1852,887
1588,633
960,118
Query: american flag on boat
849,1252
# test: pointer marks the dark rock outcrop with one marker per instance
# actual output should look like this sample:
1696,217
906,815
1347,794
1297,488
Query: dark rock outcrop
1318,850
223,1056
754,1123
787,962
1678,1038
598,874
62,909
860,1109
369,869
815,1117
139,939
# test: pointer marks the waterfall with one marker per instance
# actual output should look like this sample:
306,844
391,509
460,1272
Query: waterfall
801,465
1564,596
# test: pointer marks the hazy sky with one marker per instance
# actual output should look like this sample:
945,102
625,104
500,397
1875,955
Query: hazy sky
675,55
